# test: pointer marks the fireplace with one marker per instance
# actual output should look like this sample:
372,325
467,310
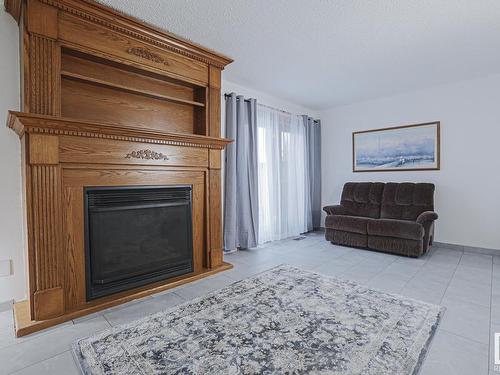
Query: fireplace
135,236
110,101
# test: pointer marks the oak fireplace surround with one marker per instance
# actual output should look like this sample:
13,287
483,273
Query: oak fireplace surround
109,102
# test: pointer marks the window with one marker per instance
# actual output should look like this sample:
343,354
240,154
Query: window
282,163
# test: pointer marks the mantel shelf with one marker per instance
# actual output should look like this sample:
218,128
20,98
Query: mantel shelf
22,123
151,94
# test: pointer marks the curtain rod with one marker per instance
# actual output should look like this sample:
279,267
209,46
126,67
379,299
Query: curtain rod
263,105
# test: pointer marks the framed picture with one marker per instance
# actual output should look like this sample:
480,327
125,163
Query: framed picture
401,148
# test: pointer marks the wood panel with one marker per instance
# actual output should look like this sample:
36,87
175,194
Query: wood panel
104,151
45,191
89,102
44,65
77,32
119,74
44,149
74,240
46,238
46,25
214,99
215,217
198,216
215,222
48,303
215,159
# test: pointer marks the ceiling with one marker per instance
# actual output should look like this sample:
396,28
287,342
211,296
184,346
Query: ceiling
325,53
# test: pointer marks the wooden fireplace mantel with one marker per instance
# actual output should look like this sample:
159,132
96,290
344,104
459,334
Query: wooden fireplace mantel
22,123
108,100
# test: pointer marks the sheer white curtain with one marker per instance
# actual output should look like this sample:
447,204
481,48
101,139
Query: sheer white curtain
282,170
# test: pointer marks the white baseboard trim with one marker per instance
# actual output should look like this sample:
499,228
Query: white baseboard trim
6,306
468,249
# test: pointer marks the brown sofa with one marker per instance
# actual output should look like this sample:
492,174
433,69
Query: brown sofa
390,217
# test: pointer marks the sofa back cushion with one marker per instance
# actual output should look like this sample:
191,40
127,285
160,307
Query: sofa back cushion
363,198
405,201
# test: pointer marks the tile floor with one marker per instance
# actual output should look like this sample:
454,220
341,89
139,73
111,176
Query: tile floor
467,284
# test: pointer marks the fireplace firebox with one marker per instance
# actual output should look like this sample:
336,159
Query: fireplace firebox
135,236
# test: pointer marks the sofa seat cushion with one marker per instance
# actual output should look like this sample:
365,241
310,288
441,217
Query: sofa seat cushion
339,237
395,228
401,246
353,224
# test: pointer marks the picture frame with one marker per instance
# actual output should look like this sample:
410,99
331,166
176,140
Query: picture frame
415,147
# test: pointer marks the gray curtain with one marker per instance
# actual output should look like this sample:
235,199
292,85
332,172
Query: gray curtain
241,189
313,169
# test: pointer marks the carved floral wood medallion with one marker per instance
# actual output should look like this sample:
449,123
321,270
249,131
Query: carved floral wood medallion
147,54
147,155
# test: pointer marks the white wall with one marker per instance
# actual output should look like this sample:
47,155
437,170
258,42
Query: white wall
263,98
11,223
468,184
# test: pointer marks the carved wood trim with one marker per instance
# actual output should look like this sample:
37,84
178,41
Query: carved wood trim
215,214
46,228
138,29
147,54
23,123
147,155
45,80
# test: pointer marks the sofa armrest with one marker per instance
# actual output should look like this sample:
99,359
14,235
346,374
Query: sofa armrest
336,210
426,217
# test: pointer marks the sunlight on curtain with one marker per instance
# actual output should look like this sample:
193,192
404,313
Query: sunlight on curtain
283,192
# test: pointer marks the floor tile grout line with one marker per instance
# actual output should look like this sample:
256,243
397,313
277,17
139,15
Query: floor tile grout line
107,321
463,337
37,362
411,278
35,335
451,278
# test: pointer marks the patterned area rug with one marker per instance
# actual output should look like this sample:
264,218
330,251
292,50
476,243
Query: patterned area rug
283,321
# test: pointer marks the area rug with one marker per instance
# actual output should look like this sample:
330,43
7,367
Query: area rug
283,321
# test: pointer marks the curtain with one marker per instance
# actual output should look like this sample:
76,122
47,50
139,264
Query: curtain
241,209
313,172
282,165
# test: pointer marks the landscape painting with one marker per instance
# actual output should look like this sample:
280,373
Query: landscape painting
410,147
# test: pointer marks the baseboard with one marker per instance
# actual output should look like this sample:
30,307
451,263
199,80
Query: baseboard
6,306
468,249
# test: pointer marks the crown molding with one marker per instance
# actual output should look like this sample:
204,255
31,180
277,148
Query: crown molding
23,123
131,26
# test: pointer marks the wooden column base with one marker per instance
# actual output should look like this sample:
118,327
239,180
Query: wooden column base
24,325
52,301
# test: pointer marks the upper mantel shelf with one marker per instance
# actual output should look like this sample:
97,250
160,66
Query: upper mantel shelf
22,123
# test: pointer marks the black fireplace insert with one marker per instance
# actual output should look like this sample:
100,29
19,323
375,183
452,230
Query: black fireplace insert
136,235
